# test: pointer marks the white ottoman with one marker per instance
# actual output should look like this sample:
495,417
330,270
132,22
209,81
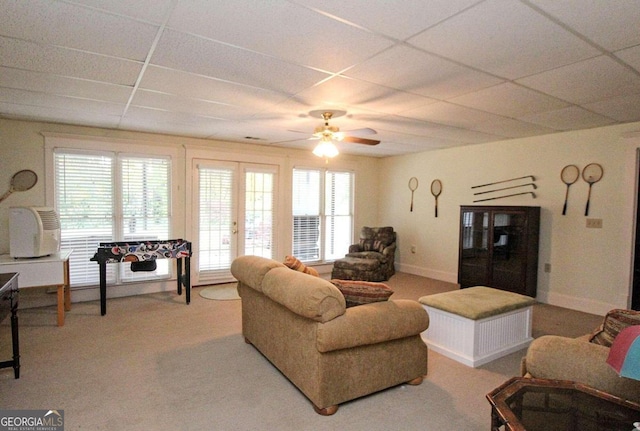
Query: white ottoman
478,324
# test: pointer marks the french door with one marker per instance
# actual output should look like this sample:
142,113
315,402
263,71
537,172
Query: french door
233,216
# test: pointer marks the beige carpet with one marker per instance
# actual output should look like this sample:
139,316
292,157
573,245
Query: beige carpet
221,292
154,363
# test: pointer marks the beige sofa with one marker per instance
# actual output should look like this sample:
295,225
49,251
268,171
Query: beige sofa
331,353
580,360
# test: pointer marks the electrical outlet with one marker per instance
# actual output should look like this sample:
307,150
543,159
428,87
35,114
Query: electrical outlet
594,223
547,267
413,249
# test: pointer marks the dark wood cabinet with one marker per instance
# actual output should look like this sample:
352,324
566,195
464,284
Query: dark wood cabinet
499,248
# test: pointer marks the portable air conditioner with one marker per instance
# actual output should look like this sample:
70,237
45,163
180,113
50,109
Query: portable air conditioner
33,231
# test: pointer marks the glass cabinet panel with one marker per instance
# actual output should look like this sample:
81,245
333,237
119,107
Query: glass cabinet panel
474,258
509,251
499,248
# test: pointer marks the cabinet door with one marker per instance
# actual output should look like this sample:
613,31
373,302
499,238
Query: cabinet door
509,251
474,249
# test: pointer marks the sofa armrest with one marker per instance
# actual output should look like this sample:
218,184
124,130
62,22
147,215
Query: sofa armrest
562,358
371,324
354,248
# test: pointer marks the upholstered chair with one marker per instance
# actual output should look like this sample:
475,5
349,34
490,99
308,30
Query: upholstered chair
371,259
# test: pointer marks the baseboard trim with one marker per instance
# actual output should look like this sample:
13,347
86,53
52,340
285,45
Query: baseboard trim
575,303
426,272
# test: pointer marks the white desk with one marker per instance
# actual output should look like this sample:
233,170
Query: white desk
50,270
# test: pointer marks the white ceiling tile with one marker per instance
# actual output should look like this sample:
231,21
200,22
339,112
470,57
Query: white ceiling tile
413,71
430,129
571,118
205,88
179,104
451,115
66,61
32,98
512,128
631,56
509,100
59,115
611,24
72,63
153,11
221,61
498,38
62,85
72,26
342,92
624,108
151,120
398,19
587,81
261,27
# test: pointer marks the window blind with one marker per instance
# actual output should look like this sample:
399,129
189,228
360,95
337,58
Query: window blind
322,213
105,197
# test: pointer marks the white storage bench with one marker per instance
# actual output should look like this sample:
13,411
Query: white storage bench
478,324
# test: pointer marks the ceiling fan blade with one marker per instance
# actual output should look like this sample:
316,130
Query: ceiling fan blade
365,131
356,140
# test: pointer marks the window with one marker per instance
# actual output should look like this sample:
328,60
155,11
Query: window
107,196
322,214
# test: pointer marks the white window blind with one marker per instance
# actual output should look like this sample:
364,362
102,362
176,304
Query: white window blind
322,213
259,200
104,197
216,218
145,207
338,214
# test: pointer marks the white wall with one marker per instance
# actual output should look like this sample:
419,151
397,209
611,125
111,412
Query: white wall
22,146
590,268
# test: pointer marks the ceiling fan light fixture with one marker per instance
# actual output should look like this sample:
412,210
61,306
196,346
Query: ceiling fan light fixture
326,149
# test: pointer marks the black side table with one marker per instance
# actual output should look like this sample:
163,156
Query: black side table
9,304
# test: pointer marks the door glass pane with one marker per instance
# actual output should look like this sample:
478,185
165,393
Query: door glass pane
259,199
216,221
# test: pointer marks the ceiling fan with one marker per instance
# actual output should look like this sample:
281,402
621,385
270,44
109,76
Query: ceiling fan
333,133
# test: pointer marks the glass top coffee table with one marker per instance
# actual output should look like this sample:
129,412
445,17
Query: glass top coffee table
524,404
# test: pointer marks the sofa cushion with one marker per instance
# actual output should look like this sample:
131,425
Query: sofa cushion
311,297
251,270
295,264
362,292
614,322
370,255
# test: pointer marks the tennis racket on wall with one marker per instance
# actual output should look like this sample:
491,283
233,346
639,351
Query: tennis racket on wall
436,189
592,173
568,175
413,186
21,182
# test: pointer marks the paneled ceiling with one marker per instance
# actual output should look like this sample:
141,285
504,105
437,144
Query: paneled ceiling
424,74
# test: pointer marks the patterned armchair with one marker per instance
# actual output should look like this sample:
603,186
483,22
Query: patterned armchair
371,259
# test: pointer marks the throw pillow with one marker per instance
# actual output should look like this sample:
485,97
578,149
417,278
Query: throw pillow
295,264
379,246
366,244
362,292
614,322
